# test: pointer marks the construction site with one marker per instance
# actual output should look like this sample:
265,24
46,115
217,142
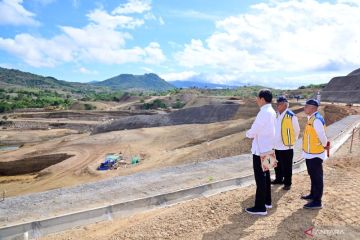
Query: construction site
121,172
179,120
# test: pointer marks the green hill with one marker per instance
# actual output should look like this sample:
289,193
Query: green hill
147,82
13,78
18,79
27,90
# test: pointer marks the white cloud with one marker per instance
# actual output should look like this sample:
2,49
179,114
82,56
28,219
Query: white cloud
151,16
161,21
306,79
39,52
178,75
87,71
13,13
287,36
133,6
101,40
93,36
76,3
193,14
106,20
6,65
45,2
147,70
154,54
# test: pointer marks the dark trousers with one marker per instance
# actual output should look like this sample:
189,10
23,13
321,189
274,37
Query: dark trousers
283,171
315,170
263,187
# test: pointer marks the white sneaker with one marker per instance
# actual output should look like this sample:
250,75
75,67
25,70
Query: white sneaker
268,206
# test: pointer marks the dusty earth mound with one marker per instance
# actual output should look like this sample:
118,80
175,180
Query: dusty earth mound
343,89
333,113
200,115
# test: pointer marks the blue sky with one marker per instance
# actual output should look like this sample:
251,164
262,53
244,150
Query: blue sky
274,43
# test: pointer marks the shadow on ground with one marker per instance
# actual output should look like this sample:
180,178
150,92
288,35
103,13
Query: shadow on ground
242,223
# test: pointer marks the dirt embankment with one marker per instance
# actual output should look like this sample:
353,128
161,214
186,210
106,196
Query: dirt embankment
31,164
344,89
28,137
195,115
81,115
39,125
83,121
331,113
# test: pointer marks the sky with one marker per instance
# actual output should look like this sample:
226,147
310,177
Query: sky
283,44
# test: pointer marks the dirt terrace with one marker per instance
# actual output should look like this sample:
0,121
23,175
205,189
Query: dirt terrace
223,217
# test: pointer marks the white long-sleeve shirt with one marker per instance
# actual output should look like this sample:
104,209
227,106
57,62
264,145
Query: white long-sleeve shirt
320,131
279,144
263,130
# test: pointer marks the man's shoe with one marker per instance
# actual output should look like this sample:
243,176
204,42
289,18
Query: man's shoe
277,182
287,188
313,205
268,206
256,211
307,197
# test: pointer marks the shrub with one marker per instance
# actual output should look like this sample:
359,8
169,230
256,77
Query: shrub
157,103
89,106
178,104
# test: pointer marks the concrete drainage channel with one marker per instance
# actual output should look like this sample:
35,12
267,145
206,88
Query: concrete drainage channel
339,132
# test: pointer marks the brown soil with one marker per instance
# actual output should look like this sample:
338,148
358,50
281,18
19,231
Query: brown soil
344,89
31,164
12,137
159,147
222,216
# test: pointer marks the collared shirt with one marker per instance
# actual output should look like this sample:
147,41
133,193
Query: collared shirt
263,130
279,144
320,131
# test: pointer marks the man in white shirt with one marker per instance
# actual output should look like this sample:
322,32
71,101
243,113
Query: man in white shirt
287,131
314,147
263,133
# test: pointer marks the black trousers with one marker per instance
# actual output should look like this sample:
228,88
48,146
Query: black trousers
283,171
263,186
315,170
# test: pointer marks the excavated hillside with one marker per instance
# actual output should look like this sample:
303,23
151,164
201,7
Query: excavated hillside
343,89
195,115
